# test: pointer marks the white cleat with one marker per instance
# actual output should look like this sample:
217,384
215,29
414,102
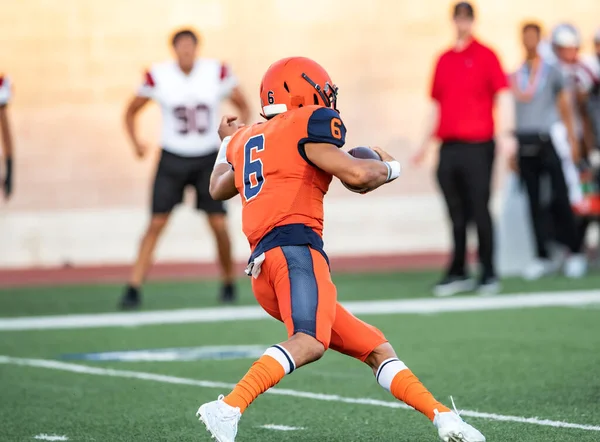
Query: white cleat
221,420
451,428
539,268
576,266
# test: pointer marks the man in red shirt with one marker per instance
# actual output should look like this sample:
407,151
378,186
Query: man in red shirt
467,82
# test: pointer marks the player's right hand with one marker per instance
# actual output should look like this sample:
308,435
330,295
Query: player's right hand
228,126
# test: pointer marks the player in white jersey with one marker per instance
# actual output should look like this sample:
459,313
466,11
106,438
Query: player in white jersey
189,91
566,42
580,80
593,64
6,177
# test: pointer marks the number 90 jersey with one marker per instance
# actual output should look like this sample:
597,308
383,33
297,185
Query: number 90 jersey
277,182
190,104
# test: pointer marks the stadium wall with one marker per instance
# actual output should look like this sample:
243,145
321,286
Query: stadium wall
82,198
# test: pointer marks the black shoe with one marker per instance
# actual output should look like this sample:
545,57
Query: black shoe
132,298
228,294
453,284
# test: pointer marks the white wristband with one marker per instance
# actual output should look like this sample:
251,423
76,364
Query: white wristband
393,170
222,155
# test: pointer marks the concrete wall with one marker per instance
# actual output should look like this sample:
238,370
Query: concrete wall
82,197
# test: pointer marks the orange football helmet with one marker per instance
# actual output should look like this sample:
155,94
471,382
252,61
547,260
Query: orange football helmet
295,82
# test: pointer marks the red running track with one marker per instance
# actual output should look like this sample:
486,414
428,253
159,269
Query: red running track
38,276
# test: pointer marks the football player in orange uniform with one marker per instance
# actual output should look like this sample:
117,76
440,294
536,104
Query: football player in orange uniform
282,170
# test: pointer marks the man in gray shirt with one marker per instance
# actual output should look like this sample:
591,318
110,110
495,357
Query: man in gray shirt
542,101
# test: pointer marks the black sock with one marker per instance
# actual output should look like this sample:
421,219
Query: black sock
228,291
132,292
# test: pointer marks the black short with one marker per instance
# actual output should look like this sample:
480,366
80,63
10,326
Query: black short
174,173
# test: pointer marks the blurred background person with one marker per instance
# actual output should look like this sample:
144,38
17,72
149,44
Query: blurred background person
566,42
468,80
593,63
542,102
190,91
589,210
6,179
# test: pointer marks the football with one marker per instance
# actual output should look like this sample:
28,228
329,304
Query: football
363,153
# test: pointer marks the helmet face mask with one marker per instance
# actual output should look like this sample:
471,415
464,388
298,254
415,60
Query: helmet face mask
328,92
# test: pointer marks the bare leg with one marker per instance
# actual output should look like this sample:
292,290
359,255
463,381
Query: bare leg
394,376
379,355
131,298
279,360
146,251
218,225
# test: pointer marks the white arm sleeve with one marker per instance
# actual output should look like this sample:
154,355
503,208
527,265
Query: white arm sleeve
222,155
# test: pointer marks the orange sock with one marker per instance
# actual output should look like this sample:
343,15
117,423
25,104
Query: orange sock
264,374
395,377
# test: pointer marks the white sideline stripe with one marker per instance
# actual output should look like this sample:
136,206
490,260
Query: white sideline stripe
280,427
381,307
76,368
45,436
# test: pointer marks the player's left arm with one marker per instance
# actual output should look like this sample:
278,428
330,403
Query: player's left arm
7,139
222,182
326,134
361,173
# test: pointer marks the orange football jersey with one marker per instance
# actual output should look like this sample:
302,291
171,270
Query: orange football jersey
277,183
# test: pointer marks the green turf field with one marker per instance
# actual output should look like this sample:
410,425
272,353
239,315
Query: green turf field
501,366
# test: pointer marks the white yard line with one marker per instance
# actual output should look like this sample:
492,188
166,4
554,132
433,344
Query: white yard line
84,369
280,427
375,307
55,437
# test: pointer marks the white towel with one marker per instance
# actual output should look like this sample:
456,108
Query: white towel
558,133
255,266
515,241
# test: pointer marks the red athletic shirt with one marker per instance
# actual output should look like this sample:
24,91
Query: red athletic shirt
464,84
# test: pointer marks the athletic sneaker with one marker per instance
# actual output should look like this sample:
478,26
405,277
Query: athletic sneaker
221,420
451,428
132,298
228,293
453,284
576,266
539,268
488,286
